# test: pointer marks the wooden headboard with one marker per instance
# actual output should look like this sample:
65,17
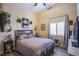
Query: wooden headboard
20,32
17,34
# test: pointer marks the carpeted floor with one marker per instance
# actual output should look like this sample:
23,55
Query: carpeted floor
57,52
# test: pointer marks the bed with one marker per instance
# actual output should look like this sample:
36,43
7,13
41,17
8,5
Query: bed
34,46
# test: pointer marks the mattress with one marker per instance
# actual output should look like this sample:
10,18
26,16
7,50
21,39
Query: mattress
34,46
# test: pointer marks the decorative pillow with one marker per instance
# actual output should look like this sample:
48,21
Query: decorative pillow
4,35
24,36
30,35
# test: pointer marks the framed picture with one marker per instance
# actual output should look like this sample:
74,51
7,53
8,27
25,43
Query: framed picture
43,27
25,22
70,22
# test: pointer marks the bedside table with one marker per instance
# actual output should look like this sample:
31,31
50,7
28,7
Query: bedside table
8,46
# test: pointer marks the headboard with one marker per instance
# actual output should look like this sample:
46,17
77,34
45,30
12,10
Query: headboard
20,32
17,34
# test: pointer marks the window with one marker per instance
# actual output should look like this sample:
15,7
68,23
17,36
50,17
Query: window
53,28
60,28
57,28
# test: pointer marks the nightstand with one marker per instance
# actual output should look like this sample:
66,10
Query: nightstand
8,46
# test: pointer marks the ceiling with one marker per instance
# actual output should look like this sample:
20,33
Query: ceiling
30,6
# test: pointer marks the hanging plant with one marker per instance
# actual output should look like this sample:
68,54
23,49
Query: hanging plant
8,21
6,17
18,20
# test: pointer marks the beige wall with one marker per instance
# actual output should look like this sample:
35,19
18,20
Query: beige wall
56,11
41,18
0,6
18,11
77,9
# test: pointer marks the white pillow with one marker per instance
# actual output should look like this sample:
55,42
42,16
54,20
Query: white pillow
3,35
24,36
30,35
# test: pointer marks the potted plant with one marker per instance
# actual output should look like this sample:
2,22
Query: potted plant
4,19
18,20
30,22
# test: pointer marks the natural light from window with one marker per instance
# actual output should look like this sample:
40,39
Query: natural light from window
53,28
57,28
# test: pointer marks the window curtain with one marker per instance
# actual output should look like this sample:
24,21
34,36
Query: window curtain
66,32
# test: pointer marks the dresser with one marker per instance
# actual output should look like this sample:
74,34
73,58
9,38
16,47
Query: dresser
72,50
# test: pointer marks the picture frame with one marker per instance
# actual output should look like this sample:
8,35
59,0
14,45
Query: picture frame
70,22
43,27
25,22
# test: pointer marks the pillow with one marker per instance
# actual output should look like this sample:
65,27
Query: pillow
4,35
24,36
30,35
